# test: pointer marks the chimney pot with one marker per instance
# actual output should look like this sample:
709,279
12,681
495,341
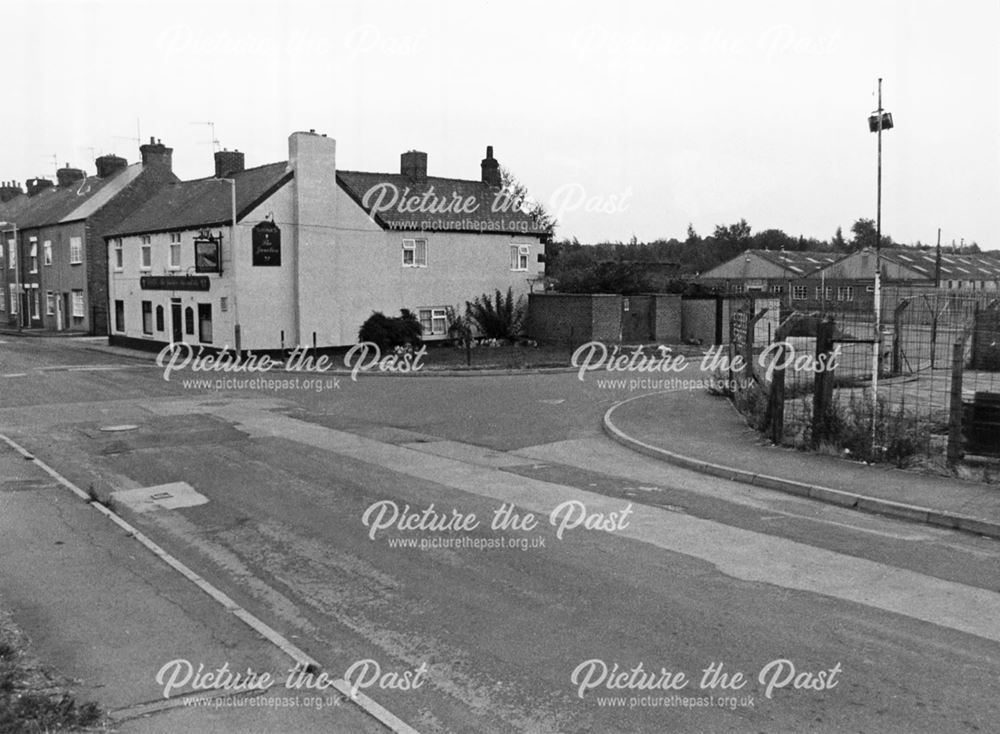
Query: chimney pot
156,154
108,165
67,176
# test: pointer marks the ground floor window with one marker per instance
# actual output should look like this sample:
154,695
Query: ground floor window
799,292
147,317
159,318
50,303
205,323
77,304
845,293
119,315
433,321
36,310
13,300
189,321
824,293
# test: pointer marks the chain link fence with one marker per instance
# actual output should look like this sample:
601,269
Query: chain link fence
806,378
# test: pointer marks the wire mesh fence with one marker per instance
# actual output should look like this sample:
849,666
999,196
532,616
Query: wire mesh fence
925,385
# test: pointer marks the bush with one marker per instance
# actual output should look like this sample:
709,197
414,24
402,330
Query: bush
391,332
499,318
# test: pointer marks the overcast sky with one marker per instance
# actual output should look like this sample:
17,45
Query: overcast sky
624,117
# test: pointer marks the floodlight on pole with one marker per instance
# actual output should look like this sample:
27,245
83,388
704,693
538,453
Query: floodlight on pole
878,121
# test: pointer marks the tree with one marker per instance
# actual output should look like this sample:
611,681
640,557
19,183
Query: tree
838,242
865,235
517,194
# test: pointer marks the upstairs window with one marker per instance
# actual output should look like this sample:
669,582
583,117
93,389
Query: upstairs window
47,252
12,250
175,255
33,255
799,292
414,253
519,257
145,254
119,260
75,250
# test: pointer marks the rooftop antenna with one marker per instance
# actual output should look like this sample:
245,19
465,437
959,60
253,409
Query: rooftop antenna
55,163
93,152
214,141
138,135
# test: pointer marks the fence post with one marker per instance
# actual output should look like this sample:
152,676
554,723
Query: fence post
897,341
955,407
776,403
823,384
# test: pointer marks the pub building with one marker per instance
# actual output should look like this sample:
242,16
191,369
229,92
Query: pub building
297,253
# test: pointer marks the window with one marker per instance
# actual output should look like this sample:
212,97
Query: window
33,255
224,304
433,321
159,318
824,293
519,257
799,293
13,300
36,310
119,315
777,289
845,293
147,317
175,255
414,253
736,288
119,254
50,303
47,252
77,304
189,320
12,260
75,250
175,237
205,323
146,254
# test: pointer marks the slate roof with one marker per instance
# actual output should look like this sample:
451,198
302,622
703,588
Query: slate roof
9,210
953,267
478,215
204,202
58,204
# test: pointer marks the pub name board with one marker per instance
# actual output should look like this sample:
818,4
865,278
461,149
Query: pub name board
266,245
174,283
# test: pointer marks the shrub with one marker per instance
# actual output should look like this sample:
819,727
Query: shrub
391,332
499,318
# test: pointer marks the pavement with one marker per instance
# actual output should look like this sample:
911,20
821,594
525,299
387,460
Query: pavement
703,432
105,611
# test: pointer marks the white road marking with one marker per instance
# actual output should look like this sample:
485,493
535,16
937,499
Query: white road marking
370,707
740,553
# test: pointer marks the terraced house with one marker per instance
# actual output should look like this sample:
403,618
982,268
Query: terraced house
298,252
56,264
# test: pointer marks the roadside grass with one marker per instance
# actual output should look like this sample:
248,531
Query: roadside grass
501,356
34,699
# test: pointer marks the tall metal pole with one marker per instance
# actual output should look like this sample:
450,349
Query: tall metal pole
877,345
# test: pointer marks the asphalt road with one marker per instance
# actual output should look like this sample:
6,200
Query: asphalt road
890,627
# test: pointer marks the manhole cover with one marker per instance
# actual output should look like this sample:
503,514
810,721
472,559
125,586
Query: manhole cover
116,429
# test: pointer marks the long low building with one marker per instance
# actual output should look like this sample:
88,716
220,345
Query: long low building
300,253
813,280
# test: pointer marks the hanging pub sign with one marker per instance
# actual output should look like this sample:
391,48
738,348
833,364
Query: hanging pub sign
267,244
208,254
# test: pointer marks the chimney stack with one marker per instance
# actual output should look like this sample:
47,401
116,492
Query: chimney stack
9,190
35,185
67,176
413,164
108,165
228,162
491,169
155,153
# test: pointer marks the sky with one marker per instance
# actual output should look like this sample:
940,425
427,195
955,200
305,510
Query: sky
623,118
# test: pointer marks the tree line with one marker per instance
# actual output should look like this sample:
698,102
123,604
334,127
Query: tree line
668,266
